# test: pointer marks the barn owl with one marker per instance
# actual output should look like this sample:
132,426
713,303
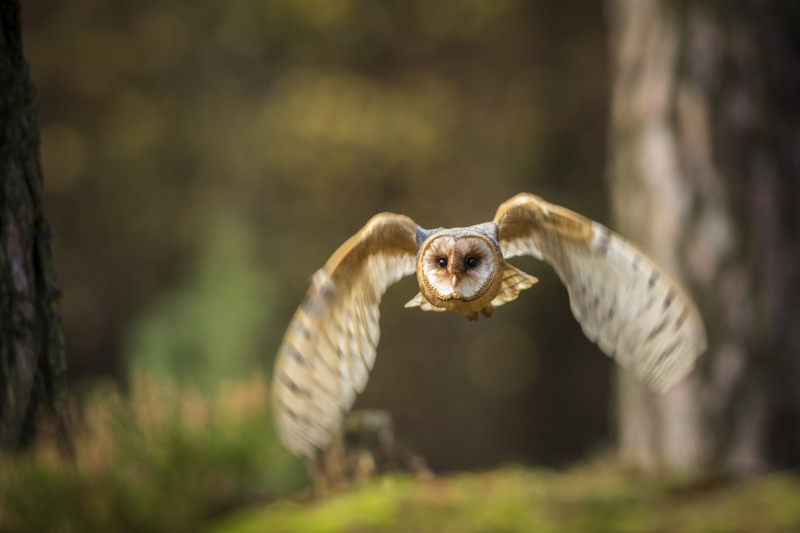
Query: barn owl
624,303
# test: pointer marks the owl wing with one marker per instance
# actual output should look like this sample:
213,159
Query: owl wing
625,303
329,347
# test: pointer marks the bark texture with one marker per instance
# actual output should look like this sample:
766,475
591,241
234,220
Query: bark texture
705,160
32,360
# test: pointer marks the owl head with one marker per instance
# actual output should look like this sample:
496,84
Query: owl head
458,267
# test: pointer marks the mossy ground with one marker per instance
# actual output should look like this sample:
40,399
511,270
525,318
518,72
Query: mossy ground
597,497
156,457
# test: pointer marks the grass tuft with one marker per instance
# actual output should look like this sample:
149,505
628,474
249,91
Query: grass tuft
159,458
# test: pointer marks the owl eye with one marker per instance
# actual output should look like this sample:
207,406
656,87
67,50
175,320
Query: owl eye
442,262
471,261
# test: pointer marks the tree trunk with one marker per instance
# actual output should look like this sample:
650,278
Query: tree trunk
32,361
704,166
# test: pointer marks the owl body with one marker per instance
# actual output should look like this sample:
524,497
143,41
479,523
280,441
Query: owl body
624,303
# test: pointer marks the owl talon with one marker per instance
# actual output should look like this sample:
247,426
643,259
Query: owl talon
488,311
472,317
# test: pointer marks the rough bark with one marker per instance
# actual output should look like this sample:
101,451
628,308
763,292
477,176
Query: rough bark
32,359
704,167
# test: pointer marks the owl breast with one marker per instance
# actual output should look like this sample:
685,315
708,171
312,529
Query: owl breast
459,271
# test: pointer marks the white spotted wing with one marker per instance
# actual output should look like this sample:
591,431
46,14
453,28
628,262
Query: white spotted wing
626,304
329,347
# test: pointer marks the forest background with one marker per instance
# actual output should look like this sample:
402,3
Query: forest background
201,160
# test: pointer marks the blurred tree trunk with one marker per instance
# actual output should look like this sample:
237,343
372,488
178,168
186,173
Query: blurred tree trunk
32,362
705,160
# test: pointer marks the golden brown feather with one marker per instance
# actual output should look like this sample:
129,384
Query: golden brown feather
626,304
329,347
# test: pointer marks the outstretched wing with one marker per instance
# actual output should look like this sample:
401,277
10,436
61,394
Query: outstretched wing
329,347
625,303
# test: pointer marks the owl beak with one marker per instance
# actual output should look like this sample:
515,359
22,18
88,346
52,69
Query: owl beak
454,280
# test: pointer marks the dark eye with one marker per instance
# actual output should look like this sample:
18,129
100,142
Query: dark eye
471,261
442,262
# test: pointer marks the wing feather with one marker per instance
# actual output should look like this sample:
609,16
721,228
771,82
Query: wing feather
330,345
623,301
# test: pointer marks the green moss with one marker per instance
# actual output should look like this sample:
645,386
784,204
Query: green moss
597,497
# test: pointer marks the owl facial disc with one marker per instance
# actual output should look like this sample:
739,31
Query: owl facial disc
457,267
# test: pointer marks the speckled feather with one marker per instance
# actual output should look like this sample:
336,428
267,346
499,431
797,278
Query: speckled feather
330,345
626,304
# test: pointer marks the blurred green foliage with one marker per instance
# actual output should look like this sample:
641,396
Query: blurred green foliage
212,328
597,497
157,458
